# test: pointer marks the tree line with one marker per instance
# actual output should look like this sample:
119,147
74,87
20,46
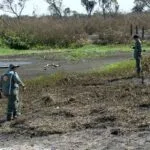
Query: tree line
72,29
55,7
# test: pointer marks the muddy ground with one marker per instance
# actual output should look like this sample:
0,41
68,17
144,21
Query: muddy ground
80,112
33,66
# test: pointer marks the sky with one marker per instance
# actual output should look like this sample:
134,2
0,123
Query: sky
40,6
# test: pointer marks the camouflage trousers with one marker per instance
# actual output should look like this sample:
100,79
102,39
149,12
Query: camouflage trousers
13,105
138,65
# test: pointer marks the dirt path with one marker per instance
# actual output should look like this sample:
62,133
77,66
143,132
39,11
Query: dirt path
33,66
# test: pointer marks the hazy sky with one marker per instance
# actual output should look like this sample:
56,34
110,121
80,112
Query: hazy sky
40,6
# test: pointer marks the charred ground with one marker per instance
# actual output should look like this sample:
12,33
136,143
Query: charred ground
67,103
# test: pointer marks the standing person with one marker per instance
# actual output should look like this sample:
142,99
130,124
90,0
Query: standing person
10,82
137,54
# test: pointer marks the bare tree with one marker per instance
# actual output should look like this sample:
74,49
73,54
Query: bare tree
14,7
109,6
113,7
55,7
89,5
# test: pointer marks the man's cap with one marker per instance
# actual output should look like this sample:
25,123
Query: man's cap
135,36
12,66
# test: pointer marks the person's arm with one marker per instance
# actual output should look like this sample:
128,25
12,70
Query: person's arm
1,83
138,48
18,80
1,87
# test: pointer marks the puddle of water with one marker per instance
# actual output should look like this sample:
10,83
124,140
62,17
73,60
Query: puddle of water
6,64
138,81
147,81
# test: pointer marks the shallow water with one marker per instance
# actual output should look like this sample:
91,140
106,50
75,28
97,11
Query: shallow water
6,64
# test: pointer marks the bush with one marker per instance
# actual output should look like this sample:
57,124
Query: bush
47,31
15,41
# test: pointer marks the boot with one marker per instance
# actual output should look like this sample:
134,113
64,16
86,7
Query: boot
8,117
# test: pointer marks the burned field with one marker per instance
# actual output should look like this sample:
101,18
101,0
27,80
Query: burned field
117,103
121,105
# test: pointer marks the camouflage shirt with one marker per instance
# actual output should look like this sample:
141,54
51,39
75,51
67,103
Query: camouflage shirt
137,49
9,82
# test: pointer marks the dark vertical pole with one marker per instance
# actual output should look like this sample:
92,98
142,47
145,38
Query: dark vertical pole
137,30
143,32
131,29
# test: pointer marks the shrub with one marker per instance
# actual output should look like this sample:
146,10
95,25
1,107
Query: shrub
72,31
15,41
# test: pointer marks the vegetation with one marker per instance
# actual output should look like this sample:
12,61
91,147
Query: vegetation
141,5
31,32
87,51
13,6
84,52
55,7
89,6
109,7
93,51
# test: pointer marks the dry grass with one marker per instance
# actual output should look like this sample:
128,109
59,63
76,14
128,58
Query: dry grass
48,31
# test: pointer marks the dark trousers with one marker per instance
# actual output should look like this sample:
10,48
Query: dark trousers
13,105
138,65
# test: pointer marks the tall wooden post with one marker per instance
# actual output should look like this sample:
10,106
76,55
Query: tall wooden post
131,29
137,31
143,32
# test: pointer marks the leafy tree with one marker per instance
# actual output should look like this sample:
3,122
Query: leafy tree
89,5
140,5
147,3
74,13
14,7
67,11
55,7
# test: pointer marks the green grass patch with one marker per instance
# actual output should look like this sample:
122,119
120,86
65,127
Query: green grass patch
87,51
45,81
7,51
123,68
95,51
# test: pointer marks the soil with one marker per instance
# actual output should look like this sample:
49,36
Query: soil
79,113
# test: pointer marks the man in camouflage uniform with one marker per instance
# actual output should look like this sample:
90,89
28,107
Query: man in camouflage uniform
137,54
10,82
